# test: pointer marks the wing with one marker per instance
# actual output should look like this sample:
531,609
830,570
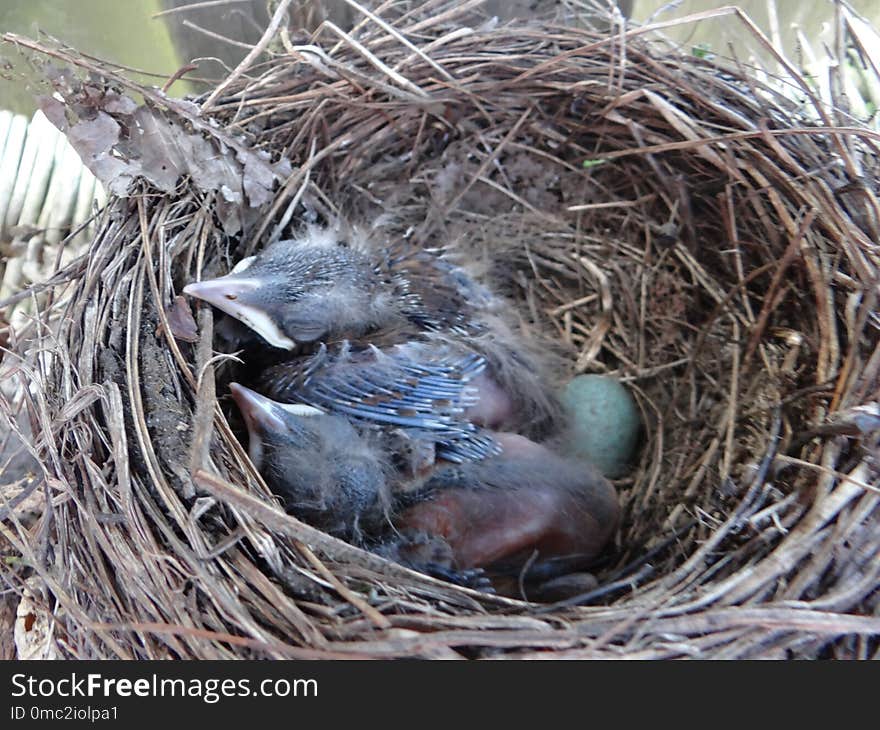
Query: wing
437,296
415,386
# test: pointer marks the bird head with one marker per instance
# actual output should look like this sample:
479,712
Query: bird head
301,291
327,473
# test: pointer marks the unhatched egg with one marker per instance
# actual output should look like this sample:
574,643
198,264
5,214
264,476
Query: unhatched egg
605,422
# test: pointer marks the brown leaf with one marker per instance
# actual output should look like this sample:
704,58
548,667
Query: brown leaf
181,321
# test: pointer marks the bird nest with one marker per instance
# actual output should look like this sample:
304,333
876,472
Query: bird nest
666,218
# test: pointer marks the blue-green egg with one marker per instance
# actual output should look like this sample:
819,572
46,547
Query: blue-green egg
605,422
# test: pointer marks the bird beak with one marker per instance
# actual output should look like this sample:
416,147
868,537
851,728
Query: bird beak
231,294
261,416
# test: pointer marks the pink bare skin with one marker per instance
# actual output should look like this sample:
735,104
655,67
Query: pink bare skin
525,499
494,407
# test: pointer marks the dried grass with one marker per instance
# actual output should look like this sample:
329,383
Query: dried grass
666,217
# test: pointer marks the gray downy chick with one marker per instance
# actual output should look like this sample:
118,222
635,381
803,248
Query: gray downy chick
326,472
458,518
323,288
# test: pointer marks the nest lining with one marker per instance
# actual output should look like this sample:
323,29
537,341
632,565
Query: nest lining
655,216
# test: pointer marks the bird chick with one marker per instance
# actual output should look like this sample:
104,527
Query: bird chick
327,473
454,520
501,510
323,287
320,288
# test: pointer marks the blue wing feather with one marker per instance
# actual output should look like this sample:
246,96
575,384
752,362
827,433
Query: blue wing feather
393,388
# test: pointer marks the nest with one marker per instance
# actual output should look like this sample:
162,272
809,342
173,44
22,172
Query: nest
667,218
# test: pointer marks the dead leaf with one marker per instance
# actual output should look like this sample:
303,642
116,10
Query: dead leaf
180,320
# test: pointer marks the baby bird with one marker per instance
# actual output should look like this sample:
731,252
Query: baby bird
323,287
320,288
327,473
453,519
500,510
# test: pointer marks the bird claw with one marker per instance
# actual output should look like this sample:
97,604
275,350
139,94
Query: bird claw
474,578
432,555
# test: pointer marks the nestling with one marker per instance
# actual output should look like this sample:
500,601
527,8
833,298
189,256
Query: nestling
323,287
327,473
319,288
453,518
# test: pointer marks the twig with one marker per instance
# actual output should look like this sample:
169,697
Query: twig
248,60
